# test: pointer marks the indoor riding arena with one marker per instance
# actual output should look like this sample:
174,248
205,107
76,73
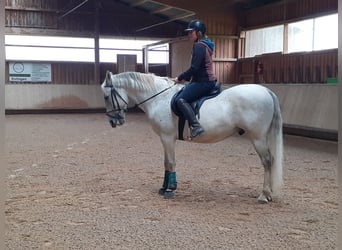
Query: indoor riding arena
75,182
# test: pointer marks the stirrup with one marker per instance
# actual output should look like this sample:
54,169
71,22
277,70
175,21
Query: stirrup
196,131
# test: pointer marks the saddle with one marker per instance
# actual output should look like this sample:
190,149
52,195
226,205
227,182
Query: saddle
196,105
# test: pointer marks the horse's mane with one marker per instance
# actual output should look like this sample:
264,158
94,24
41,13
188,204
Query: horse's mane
140,80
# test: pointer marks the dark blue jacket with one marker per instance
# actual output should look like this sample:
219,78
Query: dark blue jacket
201,69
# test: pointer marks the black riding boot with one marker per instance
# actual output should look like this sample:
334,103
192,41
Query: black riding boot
188,112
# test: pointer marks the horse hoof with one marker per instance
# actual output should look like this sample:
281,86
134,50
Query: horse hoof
169,194
263,199
162,191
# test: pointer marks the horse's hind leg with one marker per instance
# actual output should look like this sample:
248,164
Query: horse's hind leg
266,159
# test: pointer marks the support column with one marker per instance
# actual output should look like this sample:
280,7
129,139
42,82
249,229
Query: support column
145,59
2,124
97,79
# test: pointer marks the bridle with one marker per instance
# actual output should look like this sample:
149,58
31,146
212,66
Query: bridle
114,94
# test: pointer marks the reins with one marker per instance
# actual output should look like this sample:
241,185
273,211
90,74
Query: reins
116,105
137,105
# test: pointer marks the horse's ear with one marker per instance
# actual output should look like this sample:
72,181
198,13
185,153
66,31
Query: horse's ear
108,78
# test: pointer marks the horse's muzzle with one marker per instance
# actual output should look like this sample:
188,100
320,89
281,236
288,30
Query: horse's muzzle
117,120
112,122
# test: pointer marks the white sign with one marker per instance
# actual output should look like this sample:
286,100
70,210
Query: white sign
29,72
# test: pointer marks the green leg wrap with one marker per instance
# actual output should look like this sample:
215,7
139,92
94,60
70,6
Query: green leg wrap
170,182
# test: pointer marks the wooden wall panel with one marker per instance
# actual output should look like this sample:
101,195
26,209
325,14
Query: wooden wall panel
285,11
224,55
307,67
45,14
31,13
36,4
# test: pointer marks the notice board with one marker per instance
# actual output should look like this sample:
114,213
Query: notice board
29,72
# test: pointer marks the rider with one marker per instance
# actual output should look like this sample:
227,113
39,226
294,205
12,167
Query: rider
200,74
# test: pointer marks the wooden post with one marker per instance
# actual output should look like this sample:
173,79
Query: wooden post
97,79
145,59
2,123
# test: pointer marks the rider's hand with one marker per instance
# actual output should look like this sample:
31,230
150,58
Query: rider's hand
176,80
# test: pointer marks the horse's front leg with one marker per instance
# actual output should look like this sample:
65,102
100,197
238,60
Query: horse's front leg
170,179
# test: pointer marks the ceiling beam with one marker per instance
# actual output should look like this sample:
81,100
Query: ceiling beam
73,9
167,21
138,3
166,8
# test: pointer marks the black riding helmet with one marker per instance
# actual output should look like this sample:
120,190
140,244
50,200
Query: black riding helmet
196,25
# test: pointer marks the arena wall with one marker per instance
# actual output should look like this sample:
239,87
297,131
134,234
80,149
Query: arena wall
305,107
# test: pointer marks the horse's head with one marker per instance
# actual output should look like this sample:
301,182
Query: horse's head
114,101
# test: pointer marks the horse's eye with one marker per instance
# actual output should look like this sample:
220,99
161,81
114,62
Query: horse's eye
106,97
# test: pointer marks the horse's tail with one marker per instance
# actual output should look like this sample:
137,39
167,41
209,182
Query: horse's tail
275,143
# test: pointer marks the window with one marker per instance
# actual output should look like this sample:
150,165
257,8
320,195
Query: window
109,48
300,36
326,32
266,40
44,48
313,34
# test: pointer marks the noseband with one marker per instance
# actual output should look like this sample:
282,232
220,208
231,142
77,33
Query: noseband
114,94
